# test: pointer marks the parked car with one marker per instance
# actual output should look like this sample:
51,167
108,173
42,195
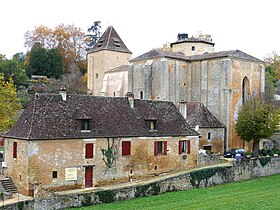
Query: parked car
232,152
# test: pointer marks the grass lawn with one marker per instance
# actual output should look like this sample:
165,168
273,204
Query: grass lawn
261,193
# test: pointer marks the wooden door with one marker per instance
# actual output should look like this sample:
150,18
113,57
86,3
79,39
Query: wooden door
88,176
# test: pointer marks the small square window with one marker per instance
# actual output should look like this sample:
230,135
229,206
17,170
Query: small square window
85,124
54,174
193,48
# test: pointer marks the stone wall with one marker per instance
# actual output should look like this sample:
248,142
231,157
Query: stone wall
240,170
37,161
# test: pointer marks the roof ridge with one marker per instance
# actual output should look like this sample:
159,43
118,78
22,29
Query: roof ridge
109,36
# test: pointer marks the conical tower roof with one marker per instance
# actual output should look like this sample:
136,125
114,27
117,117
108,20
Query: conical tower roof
110,40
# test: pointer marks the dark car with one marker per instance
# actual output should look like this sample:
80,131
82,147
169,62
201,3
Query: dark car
232,152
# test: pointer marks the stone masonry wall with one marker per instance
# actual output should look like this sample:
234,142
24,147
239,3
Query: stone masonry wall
240,170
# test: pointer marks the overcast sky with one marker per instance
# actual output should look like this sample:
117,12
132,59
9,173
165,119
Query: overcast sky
247,25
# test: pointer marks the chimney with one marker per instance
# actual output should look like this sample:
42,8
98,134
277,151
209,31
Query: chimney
182,36
63,94
130,98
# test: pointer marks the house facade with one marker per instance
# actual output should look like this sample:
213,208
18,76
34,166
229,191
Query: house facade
64,142
192,71
212,131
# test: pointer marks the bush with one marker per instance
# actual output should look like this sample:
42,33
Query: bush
269,152
263,152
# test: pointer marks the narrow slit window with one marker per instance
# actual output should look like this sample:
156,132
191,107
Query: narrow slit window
54,174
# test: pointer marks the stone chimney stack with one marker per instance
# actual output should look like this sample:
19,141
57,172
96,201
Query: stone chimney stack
63,94
130,98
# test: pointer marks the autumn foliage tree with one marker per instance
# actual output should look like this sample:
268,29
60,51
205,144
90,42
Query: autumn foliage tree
68,39
9,103
256,120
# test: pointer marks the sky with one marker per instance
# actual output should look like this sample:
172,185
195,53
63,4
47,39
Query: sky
247,25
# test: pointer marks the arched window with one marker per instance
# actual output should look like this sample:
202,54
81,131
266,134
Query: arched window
141,95
245,89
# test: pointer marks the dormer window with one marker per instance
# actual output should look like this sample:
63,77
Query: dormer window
152,124
85,125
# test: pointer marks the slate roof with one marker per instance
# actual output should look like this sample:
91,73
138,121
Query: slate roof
221,54
193,39
198,114
47,116
157,53
110,40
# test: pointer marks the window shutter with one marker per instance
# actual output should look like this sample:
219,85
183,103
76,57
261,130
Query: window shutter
89,150
180,147
15,150
155,148
189,146
165,147
126,148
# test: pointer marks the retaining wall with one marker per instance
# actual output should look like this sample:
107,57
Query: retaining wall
240,170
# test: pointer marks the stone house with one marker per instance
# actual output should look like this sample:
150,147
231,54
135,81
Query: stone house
63,142
203,121
192,71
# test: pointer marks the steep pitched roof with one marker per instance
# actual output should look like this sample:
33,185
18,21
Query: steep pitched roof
47,116
110,40
198,114
156,53
193,40
221,54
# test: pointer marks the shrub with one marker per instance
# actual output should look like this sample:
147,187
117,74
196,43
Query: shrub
263,152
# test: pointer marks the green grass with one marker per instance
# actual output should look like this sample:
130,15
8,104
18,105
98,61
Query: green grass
261,193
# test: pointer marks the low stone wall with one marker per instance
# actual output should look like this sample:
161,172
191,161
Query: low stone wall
240,170
205,159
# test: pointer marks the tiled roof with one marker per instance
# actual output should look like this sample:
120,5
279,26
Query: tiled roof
47,116
110,40
193,39
119,68
156,53
178,55
198,114
229,53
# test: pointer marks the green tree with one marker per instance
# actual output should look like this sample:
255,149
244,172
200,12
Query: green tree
9,103
272,74
46,62
14,68
256,120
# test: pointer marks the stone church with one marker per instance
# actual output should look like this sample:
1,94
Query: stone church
190,72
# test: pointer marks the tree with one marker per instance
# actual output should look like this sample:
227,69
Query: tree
68,39
9,103
14,68
272,74
46,62
256,120
96,33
